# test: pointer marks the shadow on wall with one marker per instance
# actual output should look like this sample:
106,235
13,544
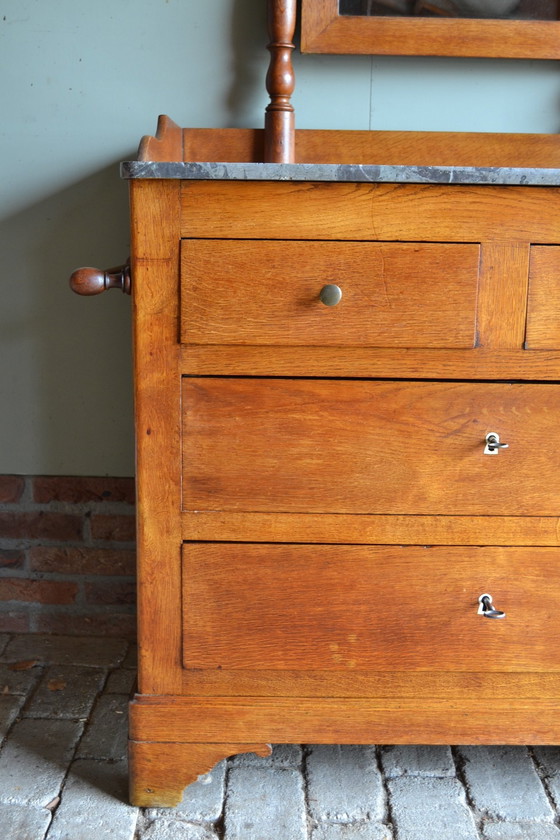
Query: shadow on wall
72,410
249,63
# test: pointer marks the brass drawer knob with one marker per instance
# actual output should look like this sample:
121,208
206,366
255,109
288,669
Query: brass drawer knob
487,609
330,294
493,444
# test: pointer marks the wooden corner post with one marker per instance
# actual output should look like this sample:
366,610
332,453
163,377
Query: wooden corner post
279,144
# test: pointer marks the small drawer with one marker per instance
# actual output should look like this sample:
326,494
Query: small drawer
382,608
543,310
251,292
370,447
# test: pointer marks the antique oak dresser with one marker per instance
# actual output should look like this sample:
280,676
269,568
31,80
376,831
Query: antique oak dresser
347,418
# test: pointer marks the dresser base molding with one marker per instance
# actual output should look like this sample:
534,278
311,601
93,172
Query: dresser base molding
159,772
252,721
161,768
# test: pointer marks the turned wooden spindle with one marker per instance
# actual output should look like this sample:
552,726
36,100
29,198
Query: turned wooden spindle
279,143
93,281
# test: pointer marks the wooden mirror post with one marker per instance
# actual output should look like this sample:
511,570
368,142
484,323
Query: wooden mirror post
279,146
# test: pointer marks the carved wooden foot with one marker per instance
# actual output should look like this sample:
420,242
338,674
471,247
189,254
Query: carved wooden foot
159,772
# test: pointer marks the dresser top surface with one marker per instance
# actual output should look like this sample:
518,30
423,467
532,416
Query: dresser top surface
364,173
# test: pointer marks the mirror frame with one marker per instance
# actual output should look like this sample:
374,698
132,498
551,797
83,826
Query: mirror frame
324,30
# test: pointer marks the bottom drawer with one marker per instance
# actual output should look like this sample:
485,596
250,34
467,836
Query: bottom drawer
382,608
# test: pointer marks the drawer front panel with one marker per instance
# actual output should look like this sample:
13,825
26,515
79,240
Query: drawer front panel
401,212
328,446
383,608
265,292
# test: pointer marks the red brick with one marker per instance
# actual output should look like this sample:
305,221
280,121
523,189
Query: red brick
40,525
15,621
82,560
79,489
11,488
111,593
113,528
11,559
37,591
120,625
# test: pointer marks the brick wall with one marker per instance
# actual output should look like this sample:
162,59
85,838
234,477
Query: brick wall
67,558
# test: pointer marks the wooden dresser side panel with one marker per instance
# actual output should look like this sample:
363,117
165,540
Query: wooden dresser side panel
155,215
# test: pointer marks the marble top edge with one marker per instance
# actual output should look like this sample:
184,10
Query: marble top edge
215,171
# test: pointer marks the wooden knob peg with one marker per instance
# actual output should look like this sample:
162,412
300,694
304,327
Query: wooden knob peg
93,281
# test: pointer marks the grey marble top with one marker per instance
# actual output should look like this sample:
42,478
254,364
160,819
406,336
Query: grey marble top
511,176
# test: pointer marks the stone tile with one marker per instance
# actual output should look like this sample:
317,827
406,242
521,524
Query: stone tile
66,650
548,759
119,623
131,658
22,822
106,734
9,708
34,760
417,761
166,829
265,803
417,803
283,755
344,784
504,784
19,682
121,681
66,691
352,831
4,639
94,803
202,801
520,831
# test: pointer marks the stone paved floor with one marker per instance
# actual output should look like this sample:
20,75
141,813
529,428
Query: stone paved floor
63,773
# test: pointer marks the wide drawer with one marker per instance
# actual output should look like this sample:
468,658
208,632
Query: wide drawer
383,608
268,293
372,447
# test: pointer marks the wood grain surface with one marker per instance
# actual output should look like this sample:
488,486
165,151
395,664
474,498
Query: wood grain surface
324,30
328,446
157,408
381,608
412,529
160,771
345,720
366,362
408,212
543,312
393,294
417,148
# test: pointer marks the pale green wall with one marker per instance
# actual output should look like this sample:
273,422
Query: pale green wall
80,83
